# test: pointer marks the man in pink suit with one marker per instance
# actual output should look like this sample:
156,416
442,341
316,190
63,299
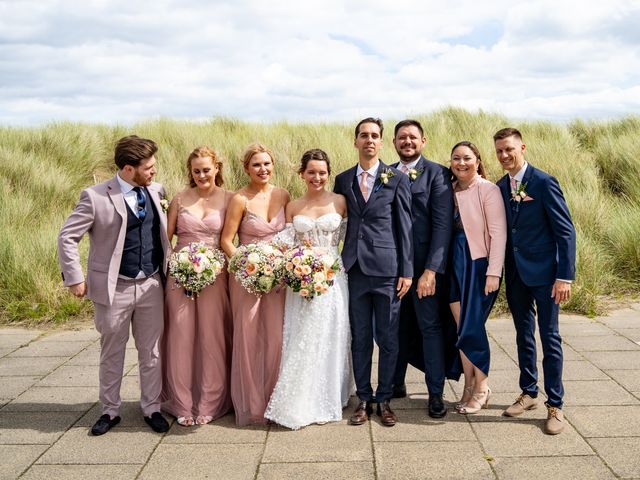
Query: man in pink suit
128,240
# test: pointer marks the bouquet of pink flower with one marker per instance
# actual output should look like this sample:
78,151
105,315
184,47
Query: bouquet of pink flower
257,266
309,271
195,266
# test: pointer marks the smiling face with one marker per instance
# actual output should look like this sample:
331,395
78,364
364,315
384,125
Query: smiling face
464,164
368,141
315,175
510,154
204,171
259,168
409,142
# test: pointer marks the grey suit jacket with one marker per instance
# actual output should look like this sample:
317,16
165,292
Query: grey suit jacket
102,212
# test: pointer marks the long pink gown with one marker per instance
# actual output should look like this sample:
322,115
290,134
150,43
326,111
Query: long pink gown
197,334
257,332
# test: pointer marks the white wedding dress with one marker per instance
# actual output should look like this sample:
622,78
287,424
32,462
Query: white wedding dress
315,379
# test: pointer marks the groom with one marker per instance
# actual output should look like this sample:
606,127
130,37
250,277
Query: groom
539,268
377,256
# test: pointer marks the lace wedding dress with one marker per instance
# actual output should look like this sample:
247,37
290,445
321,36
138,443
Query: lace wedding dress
315,379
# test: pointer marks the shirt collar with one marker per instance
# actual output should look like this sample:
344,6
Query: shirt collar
520,175
126,187
409,165
373,171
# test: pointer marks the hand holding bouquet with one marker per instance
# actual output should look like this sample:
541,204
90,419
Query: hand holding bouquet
309,271
195,266
257,266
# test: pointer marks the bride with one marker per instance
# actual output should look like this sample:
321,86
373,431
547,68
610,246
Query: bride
315,378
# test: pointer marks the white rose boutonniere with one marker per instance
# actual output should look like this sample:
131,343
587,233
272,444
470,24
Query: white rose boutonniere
413,174
386,174
164,204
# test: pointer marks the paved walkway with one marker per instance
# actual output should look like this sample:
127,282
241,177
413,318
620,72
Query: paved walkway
49,390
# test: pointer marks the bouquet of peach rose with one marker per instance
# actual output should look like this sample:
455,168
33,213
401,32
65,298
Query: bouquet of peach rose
257,266
195,266
309,271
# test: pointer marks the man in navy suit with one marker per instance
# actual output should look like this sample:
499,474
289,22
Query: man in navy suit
432,213
539,268
377,256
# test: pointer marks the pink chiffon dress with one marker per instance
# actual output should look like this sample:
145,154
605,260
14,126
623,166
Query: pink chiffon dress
198,332
257,331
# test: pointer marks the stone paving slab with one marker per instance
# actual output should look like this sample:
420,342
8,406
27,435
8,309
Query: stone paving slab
48,402
544,468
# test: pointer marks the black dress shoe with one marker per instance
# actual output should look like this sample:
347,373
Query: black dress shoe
436,406
399,391
157,422
104,424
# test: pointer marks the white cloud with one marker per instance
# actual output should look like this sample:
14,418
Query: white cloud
120,61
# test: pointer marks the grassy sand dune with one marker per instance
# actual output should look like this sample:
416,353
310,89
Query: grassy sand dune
42,171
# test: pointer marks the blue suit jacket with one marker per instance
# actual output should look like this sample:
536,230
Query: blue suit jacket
541,239
379,234
432,216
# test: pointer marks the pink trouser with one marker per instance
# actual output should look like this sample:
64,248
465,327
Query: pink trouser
138,303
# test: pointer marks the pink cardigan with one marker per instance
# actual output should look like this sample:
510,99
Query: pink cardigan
485,223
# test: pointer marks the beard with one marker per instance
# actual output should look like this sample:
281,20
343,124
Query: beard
138,179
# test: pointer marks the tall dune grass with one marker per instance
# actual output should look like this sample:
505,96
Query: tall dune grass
42,171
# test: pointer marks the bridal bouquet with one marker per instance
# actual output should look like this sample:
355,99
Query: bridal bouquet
257,266
195,266
309,271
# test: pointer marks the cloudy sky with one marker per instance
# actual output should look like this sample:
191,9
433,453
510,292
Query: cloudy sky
119,61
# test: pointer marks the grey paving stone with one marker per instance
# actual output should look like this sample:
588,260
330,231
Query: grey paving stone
597,392
224,462
54,399
629,379
417,426
621,454
50,349
420,460
19,331
632,334
119,446
524,436
606,421
416,399
223,430
14,386
82,472
34,428
91,356
16,340
317,471
25,366
601,343
592,328
623,318
544,468
4,351
72,376
579,370
333,442
614,360
17,458
84,334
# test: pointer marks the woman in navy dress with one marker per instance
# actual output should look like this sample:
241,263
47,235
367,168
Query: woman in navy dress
477,257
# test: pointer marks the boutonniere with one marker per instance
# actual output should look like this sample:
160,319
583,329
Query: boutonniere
413,173
520,194
386,174
164,204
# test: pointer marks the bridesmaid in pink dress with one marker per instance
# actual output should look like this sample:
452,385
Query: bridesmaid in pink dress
198,332
256,212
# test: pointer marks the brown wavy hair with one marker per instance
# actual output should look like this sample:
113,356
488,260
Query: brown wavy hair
476,152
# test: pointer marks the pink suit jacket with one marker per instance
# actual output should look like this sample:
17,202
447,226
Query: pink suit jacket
485,223
102,212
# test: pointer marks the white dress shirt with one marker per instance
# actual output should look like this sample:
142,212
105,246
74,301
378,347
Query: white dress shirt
129,194
373,171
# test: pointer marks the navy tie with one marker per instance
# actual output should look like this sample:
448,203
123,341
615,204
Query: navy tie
141,202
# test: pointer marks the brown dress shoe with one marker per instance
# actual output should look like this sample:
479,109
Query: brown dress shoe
523,403
555,420
361,413
387,417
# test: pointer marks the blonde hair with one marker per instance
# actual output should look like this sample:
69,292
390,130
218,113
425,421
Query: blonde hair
204,152
252,150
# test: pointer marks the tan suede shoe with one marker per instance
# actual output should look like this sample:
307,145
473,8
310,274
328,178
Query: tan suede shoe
555,420
523,402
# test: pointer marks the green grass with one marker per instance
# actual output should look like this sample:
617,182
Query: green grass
42,171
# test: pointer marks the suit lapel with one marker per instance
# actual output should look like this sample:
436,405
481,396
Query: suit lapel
377,185
117,198
505,189
526,180
356,194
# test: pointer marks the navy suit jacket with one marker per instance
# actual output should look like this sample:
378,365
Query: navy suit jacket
379,234
431,215
541,239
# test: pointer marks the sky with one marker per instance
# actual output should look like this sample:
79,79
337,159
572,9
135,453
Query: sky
123,61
